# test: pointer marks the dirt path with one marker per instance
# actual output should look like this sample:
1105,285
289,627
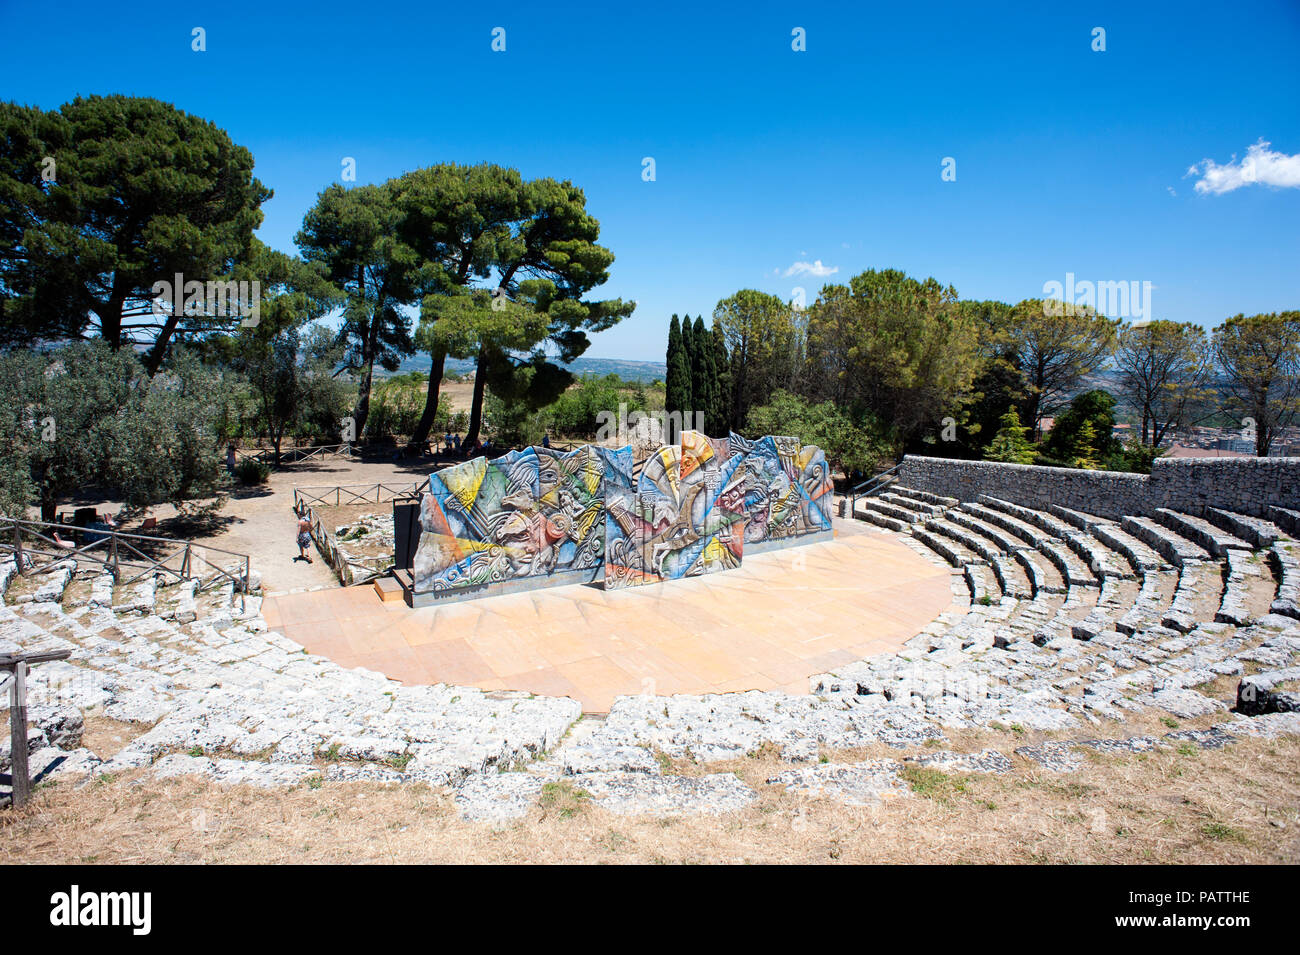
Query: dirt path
265,525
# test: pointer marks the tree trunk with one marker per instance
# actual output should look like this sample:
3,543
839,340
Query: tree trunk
1263,432
1031,415
425,424
361,410
110,320
476,409
49,505
154,358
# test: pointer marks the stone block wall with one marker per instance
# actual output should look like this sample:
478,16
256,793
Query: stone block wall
1246,485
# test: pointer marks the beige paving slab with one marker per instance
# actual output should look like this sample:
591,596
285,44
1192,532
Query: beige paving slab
772,623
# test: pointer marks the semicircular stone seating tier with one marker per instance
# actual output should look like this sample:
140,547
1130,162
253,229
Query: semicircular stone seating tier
1076,623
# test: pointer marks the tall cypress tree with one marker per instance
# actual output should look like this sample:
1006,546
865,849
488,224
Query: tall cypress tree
677,381
704,377
688,347
688,367
721,426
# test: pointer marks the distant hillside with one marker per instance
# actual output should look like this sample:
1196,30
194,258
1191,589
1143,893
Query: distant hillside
643,371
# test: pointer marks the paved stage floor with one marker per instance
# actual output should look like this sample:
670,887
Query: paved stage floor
778,619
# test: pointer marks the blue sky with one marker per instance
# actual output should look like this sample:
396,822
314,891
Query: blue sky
1067,160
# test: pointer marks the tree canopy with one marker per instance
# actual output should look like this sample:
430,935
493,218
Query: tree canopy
1259,356
677,383
763,341
850,445
1055,348
1011,443
894,346
1165,371
102,199
1084,429
485,228
352,238
86,415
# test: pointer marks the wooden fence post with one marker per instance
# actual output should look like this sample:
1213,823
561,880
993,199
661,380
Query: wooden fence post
22,783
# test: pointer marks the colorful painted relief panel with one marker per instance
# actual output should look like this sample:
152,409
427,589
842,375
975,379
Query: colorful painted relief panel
530,513
787,488
685,510
685,516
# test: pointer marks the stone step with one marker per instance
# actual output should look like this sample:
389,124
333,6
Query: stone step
46,585
1141,557
1083,521
1043,575
888,523
971,541
1260,533
1116,595
983,584
1286,558
1200,531
1072,568
1114,599
1172,546
1004,541
912,504
924,496
177,601
1012,578
1286,518
1199,582
138,597
1152,602
947,548
101,590
218,602
1101,560
879,518
885,508
1244,567
1027,532
1054,526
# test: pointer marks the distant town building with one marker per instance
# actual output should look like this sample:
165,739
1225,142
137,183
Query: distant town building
1186,451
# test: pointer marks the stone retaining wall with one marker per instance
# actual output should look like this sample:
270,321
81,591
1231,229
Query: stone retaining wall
1245,485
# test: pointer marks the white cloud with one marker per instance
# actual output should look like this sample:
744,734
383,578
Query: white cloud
1261,165
812,268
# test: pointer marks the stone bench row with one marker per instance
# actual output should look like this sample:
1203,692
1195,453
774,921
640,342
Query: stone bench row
1169,544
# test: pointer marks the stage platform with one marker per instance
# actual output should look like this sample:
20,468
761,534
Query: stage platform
779,618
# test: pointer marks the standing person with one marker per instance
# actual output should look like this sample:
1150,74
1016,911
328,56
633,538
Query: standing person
304,539
546,440
230,457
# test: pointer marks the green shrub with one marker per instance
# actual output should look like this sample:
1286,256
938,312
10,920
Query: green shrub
249,471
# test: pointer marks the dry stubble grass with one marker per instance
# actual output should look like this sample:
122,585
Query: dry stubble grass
1177,806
